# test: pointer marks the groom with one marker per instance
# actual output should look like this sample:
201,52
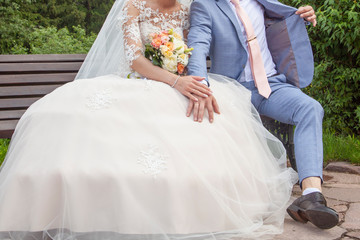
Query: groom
264,45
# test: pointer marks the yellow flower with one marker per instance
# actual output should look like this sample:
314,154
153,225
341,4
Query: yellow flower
170,64
182,56
168,53
170,46
177,36
163,49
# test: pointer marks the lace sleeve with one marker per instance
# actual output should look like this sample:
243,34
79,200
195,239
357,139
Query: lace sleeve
185,23
133,45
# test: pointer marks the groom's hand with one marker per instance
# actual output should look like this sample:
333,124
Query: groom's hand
198,108
308,13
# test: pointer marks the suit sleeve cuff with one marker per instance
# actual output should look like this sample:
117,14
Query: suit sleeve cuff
205,82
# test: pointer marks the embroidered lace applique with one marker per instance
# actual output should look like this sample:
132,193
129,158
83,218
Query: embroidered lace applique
153,161
99,100
137,21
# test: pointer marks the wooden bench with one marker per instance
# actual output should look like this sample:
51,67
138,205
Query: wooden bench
26,78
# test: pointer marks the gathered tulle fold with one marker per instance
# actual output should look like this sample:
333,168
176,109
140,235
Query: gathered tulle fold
116,158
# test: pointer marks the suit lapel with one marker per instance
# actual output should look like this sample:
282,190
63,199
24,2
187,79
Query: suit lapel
277,10
225,8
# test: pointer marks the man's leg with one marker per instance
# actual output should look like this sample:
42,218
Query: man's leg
290,105
306,114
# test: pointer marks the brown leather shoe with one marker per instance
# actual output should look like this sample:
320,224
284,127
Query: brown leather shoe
312,207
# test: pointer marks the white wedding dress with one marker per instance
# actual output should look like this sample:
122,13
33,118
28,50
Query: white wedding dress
116,158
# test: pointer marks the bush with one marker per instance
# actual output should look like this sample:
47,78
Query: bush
89,14
13,28
50,40
32,26
336,47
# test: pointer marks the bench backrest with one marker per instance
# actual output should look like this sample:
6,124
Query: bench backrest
26,78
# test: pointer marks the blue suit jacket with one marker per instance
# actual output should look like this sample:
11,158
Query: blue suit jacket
215,32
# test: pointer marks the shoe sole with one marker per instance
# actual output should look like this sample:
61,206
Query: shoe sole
322,217
295,211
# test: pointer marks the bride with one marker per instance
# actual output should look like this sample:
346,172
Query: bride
113,156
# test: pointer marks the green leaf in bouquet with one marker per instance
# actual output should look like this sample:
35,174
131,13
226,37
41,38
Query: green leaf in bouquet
148,55
156,62
188,50
150,52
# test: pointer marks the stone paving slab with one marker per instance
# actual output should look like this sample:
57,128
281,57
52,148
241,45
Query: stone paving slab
342,185
344,178
354,234
343,167
352,217
342,194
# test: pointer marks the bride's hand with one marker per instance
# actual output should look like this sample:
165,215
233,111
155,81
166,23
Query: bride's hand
191,85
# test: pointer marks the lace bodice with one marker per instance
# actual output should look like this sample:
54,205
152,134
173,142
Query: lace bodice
138,20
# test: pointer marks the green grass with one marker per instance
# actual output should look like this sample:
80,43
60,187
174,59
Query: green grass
4,143
336,148
341,148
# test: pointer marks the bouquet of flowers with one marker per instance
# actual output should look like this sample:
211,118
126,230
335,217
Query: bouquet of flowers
168,51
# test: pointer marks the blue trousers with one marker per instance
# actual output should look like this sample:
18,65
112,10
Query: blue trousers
288,104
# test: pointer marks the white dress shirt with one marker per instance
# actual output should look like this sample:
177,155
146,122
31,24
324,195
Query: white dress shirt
256,15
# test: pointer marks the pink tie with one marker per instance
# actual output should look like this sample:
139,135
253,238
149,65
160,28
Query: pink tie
256,62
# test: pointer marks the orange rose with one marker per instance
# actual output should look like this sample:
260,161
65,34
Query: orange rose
156,42
180,68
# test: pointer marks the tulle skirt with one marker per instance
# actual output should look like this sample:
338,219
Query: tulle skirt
115,158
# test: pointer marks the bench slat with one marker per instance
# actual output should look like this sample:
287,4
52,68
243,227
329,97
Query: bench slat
39,67
17,103
21,91
8,115
32,79
42,58
7,128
